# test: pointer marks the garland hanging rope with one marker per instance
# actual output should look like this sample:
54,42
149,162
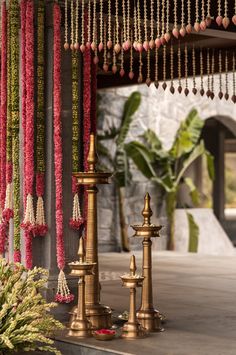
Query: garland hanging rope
63,294
14,65
3,127
41,227
77,220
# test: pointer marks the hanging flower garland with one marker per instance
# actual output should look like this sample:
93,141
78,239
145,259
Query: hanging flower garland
41,227
14,43
7,213
3,126
28,125
63,294
77,220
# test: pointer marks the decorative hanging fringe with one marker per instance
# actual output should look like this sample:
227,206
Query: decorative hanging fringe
41,228
77,220
29,219
63,294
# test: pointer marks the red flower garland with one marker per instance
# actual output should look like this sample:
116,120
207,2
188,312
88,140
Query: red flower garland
3,127
94,99
63,293
28,124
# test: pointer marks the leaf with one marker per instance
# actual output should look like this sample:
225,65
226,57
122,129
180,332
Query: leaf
187,135
171,201
193,190
193,234
131,106
122,174
141,157
104,151
196,153
210,165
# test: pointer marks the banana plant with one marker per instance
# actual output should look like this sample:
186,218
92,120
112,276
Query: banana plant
167,168
119,161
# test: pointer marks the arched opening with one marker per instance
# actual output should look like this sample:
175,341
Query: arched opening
219,134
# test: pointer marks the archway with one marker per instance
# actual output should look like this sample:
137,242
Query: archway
219,134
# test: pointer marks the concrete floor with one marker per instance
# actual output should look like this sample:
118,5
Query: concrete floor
197,294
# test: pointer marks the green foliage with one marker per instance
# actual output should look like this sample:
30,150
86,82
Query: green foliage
193,234
120,162
168,168
25,323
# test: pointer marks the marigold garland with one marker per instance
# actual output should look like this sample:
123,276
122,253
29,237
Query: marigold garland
14,40
77,220
41,227
3,126
63,294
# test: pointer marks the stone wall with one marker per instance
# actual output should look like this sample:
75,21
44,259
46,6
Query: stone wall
162,112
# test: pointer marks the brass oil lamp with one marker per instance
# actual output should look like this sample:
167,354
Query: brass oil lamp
147,315
79,325
132,329
98,314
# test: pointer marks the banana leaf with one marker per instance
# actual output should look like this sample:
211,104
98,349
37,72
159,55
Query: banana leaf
193,234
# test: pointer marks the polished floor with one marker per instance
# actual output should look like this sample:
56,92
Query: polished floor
197,294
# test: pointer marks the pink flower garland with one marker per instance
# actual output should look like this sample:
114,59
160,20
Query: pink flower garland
28,123
63,294
3,127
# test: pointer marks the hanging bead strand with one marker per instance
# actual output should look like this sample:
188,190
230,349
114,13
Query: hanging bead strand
140,77
212,74
131,72
82,47
158,40
124,25
175,30
135,44
76,24
226,20
139,45
197,24
172,89
105,63
208,93
182,30
66,44
234,80
220,76
148,79
219,18
146,42
117,45
194,71
209,17
179,69
202,91
72,25
167,34
203,21
189,25
128,40
156,82
88,44
186,91
114,65
152,42
122,71
109,42
94,42
101,46
164,85
226,76
163,41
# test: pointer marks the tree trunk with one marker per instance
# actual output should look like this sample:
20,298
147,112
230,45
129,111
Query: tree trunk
171,241
123,225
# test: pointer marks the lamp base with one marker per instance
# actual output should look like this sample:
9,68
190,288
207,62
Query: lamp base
132,331
151,320
80,328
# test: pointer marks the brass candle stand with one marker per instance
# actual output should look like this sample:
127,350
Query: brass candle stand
149,317
98,314
79,325
132,329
